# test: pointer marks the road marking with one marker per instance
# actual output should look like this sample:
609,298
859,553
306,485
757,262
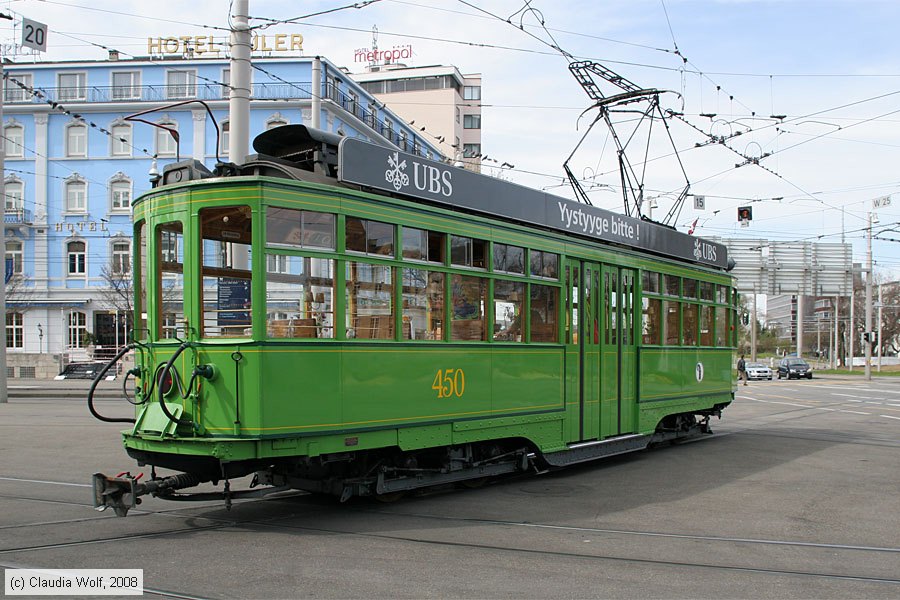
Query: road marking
889,417
43,481
853,396
855,412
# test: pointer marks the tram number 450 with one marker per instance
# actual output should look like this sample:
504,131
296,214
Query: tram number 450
449,383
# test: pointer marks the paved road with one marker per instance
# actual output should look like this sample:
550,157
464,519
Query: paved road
795,496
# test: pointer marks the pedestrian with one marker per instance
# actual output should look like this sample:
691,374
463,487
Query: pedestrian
742,370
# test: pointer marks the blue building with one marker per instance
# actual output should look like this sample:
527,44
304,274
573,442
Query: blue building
74,163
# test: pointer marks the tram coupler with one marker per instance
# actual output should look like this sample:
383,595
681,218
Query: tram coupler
122,492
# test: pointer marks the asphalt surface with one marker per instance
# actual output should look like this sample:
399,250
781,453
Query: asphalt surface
794,496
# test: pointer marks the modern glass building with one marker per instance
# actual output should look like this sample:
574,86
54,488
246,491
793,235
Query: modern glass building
74,162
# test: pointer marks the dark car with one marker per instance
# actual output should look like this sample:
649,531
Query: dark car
792,367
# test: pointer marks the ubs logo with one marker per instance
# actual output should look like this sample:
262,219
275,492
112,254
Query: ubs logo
426,178
704,251
395,175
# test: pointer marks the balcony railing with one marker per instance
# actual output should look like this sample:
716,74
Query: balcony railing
17,216
161,93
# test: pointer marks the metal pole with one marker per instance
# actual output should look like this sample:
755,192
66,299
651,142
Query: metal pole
851,331
316,101
880,304
799,325
3,391
868,342
752,329
834,346
239,96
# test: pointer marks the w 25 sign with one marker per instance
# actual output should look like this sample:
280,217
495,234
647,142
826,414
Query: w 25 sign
34,35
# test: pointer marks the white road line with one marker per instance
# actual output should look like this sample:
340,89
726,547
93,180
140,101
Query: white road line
42,481
854,396
890,417
889,404
855,412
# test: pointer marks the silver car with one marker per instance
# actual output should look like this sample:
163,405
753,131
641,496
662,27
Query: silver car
758,371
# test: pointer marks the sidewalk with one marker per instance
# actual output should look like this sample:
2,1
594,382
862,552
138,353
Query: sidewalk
66,388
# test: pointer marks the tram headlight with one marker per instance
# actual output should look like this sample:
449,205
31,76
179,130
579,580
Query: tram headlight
166,381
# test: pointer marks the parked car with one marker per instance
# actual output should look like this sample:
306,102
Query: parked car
758,371
792,367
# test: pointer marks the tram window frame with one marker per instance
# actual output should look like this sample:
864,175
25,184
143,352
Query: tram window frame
225,263
169,277
650,282
422,303
374,325
543,264
707,325
141,279
505,259
543,314
651,320
311,286
372,242
510,297
293,228
421,245
690,321
463,327
671,285
689,288
468,252
671,335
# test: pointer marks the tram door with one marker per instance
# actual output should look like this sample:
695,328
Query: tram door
618,351
583,349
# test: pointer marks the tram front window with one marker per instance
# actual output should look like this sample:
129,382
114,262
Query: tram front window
225,263
170,282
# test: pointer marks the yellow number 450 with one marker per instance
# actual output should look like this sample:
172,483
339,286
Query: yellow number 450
449,382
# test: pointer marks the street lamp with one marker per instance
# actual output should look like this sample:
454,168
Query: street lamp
40,338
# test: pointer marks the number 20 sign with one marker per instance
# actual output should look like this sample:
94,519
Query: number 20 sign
34,35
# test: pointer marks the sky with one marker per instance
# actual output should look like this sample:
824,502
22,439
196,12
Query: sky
804,95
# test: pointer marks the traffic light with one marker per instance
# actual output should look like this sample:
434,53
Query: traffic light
745,213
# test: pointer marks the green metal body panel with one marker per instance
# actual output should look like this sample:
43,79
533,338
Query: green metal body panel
321,396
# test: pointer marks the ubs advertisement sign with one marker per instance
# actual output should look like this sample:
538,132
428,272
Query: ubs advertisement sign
381,168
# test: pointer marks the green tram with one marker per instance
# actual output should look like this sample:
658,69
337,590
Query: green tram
340,317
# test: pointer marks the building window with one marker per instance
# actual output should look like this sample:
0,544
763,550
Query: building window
121,139
15,193
126,85
472,92
120,193
120,257
15,141
15,254
226,84
274,121
72,86
472,122
76,196
166,144
224,132
471,150
15,330
76,140
181,83
14,93
77,329
458,112
77,258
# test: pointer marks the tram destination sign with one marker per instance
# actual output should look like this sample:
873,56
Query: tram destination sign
378,167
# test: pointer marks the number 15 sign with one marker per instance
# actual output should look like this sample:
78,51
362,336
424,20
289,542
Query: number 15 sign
34,35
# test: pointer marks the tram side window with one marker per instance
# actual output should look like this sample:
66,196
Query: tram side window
671,332
690,311
544,264
423,304
721,294
671,285
304,228
509,299
706,325
299,297
509,259
468,252
424,245
467,308
370,305
706,291
140,323
650,282
722,326
369,237
651,323
170,280
544,313
689,288
225,262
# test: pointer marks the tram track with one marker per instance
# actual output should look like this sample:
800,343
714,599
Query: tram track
276,523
